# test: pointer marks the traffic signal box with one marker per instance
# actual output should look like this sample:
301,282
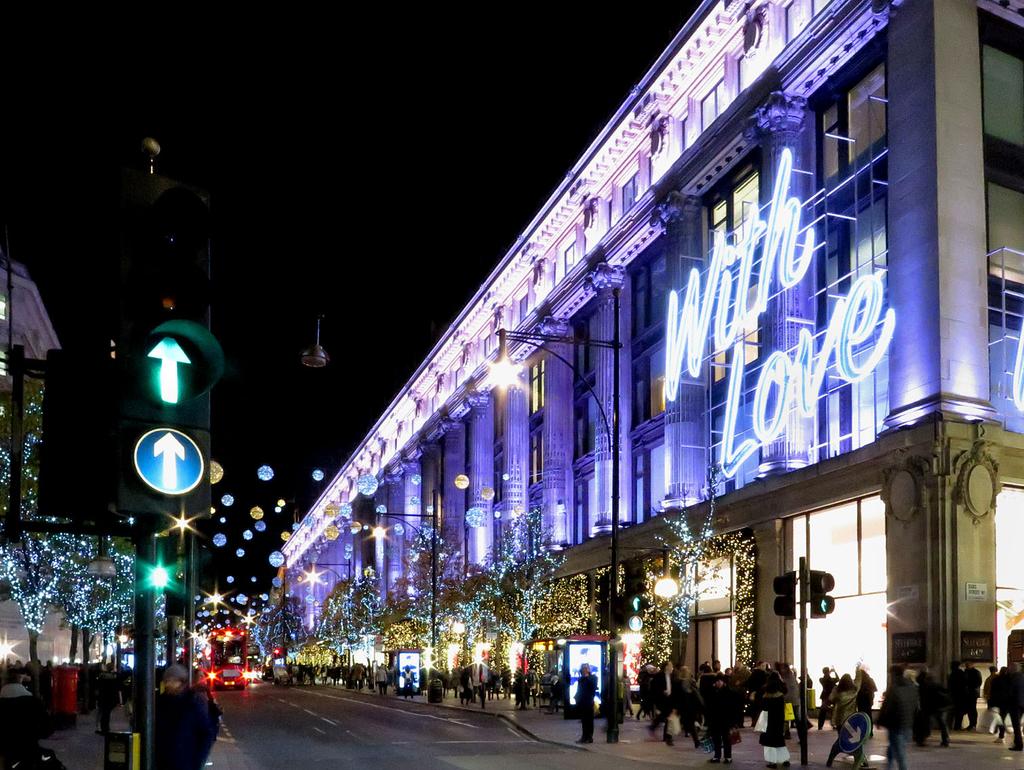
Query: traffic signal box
785,599
167,358
819,585
634,595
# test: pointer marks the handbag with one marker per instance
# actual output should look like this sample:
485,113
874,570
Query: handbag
762,723
734,736
673,726
788,714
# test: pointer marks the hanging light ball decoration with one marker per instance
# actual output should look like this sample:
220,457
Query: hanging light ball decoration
348,550
354,527
367,484
318,475
276,559
346,510
497,514
331,532
475,517
260,526
256,512
276,581
280,502
416,479
277,509
265,597
505,477
331,510
241,598
231,578
240,553
216,471
227,501
264,473
295,526
461,481
252,579
220,540
414,501
286,536
247,535
487,493
223,520
382,508
399,529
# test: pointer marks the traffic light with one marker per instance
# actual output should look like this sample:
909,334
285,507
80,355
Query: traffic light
167,358
158,577
820,583
635,595
785,600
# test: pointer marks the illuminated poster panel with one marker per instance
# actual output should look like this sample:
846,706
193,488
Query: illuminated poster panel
578,654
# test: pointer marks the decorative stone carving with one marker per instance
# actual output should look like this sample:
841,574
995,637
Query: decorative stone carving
977,480
606,277
903,486
781,112
753,28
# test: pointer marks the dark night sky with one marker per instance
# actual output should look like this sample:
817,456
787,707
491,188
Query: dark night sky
374,172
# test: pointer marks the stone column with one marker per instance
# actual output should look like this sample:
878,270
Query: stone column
453,524
937,281
515,477
394,543
430,464
604,280
558,436
481,475
686,433
782,123
412,503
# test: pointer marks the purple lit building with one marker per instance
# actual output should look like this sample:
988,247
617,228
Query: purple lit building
814,213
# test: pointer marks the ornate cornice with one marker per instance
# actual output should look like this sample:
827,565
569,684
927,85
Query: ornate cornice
605,277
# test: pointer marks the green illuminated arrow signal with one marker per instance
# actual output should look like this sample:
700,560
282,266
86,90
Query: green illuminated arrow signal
170,354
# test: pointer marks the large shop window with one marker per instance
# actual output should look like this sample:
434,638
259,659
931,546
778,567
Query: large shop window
849,541
712,623
1005,295
1003,95
1009,568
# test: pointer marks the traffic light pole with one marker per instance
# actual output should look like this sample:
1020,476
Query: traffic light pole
613,656
802,729
144,675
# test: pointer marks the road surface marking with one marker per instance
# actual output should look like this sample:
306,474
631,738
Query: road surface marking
391,708
319,730
328,721
311,713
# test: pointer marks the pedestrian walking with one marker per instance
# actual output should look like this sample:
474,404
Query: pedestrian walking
971,695
899,708
773,738
720,716
185,730
997,698
828,681
690,706
844,704
1015,703
665,688
108,697
586,691
956,683
755,689
519,687
646,697
935,703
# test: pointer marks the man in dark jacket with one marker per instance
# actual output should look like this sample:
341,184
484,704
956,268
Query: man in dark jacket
23,721
1015,703
586,691
720,709
829,680
971,695
665,689
185,730
935,702
899,709
957,685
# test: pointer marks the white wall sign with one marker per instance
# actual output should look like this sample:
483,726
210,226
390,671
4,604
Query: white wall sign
796,381
977,592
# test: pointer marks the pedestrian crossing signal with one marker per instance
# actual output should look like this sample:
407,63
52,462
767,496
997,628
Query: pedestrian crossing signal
820,583
785,600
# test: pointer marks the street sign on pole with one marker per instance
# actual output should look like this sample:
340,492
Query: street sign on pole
169,461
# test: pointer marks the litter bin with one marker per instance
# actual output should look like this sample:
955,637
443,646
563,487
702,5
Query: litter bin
65,696
435,692
119,751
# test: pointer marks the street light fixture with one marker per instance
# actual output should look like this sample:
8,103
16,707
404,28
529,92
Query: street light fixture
315,357
504,371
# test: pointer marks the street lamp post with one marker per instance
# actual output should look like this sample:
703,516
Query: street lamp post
504,368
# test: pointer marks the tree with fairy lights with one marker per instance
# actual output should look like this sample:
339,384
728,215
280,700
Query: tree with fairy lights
524,565
688,547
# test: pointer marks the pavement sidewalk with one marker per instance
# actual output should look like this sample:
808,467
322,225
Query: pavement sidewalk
638,744
80,747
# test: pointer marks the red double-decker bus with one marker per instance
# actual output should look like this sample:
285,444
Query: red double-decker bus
227,662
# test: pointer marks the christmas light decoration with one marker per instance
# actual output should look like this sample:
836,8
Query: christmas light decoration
216,472
220,539
318,475
461,481
247,534
276,558
264,473
260,526
256,512
367,484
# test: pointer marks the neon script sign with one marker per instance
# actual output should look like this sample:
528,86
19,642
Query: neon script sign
727,298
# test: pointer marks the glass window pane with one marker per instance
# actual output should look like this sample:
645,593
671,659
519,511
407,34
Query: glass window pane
867,112
1009,617
1005,218
873,575
834,546
714,586
1009,535
1004,95
724,641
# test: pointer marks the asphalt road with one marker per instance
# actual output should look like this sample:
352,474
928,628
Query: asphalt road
270,726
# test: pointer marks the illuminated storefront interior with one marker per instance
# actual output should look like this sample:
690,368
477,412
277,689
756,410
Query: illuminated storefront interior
1009,568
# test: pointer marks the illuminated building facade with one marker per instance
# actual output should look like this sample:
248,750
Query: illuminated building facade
812,211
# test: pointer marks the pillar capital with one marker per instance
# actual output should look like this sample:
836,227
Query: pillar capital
604,277
555,327
781,113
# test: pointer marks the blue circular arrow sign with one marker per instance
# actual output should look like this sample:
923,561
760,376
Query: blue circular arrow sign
169,461
855,731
